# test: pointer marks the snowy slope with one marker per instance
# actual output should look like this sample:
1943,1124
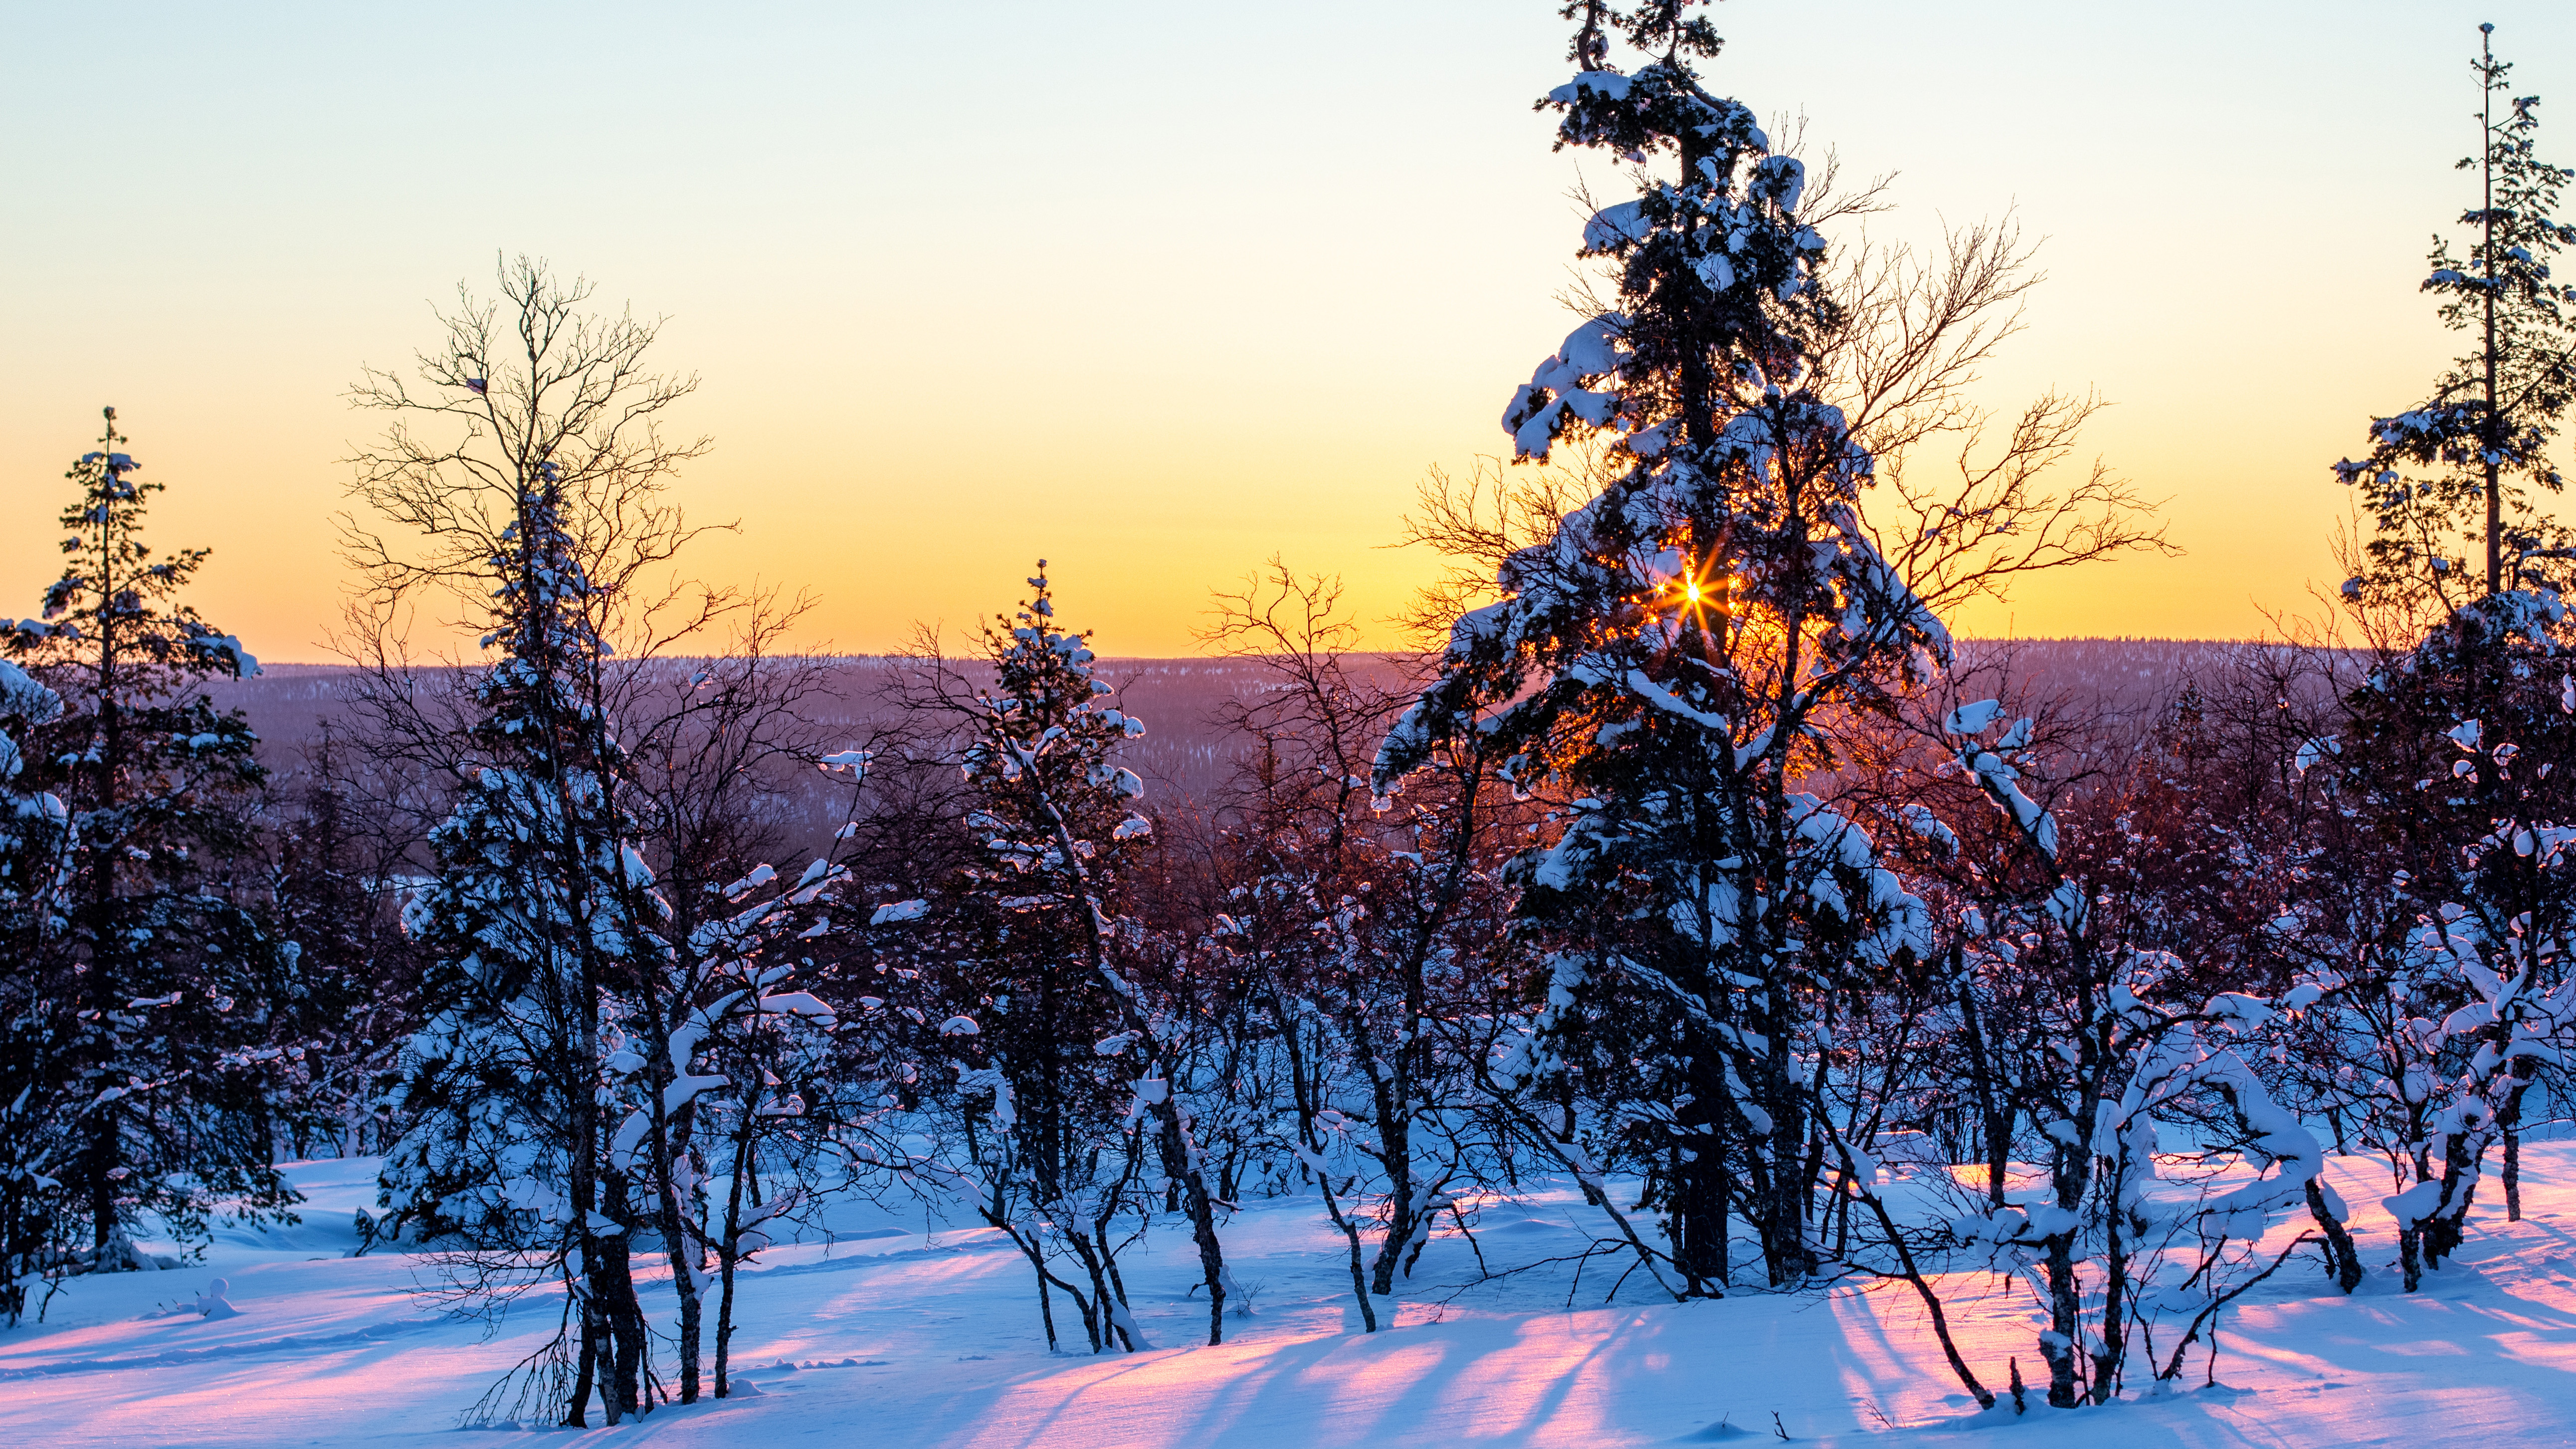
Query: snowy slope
910,1333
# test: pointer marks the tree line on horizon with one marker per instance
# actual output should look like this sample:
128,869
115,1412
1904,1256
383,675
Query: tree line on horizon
1688,860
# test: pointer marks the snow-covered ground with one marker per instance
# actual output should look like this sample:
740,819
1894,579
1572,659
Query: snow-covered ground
903,1332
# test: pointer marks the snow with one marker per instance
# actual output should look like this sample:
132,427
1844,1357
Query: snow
1973,719
899,911
1612,227
906,1332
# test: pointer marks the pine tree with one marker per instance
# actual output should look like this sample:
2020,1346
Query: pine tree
2452,480
530,933
1670,666
35,875
1070,1070
143,995
2461,902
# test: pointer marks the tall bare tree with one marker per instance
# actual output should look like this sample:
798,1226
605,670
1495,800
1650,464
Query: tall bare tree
521,482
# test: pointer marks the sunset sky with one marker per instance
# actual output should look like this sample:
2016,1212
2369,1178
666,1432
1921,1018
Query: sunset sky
1158,290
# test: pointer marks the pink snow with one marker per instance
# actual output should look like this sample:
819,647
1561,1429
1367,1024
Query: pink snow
904,1334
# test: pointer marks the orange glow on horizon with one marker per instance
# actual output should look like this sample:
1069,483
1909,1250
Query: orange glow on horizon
1161,397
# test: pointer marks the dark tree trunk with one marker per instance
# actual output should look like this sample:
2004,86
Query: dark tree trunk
2510,1119
1697,1215
585,1362
2347,1263
2065,1324
612,1286
1183,1166
1395,1142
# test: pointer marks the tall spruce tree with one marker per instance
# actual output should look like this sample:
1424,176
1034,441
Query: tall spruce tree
141,986
2450,482
529,932
1670,666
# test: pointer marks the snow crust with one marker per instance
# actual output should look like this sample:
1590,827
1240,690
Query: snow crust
903,1331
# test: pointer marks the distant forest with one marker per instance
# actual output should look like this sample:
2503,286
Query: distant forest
1189,749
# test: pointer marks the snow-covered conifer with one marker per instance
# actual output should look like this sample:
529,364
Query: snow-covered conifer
35,871
140,989
1670,664
2449,482
1066,1064
528,932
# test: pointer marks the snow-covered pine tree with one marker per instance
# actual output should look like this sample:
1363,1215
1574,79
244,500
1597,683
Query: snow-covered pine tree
35,873
529,932
2461,904
145,984
1067,1067
2450,483
1670,665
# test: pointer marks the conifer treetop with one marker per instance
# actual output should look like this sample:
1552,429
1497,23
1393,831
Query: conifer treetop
1047,728
113,593
1718,279
2453,477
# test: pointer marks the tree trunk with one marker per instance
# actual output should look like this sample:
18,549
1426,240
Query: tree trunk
2510,1120
612,1280
1183,1164
687,1263
2443,1231
625,1328
1994,1112
1395,1145
2347,1263
1779,1160
1350,1230
586,1359
2115,1307
2065,1323
1696,1223
687,1255
728,1250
